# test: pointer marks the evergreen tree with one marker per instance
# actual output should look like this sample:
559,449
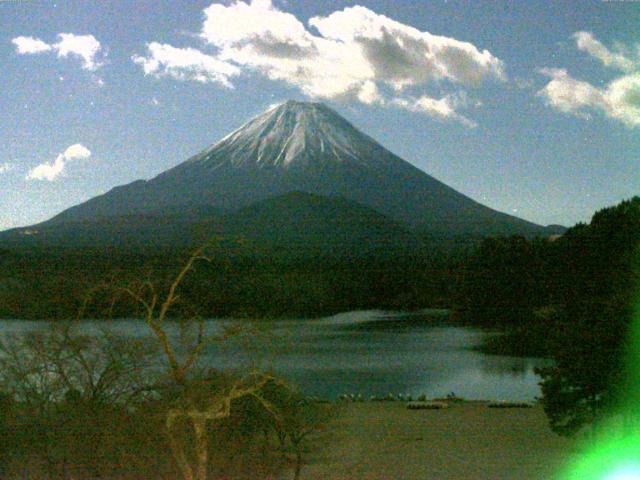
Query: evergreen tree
598,282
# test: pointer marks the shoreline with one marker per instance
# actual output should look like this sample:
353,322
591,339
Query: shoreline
435,311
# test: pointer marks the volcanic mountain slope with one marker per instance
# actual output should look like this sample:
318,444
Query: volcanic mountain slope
302,223
294,224
304,147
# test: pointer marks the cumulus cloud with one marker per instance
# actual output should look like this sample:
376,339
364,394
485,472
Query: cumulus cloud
623,99
83,47
185,64
353,54
586,42
619,100
402,55
52,170
356,47
5,167
27,45
569,95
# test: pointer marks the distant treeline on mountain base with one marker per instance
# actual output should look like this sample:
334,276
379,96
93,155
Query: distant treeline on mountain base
55,284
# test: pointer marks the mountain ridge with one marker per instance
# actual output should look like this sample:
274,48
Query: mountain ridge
300,146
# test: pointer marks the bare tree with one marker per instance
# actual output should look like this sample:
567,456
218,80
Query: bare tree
197,409
68,385
40,368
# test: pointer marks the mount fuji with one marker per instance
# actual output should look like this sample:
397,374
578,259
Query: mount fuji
297,147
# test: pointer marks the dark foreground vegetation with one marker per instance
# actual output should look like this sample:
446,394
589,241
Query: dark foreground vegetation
75,406
79,407
571,300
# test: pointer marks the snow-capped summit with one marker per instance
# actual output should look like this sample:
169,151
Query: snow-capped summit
302,147
291,134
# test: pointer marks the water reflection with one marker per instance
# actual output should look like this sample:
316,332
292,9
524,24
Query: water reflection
511,366
371,353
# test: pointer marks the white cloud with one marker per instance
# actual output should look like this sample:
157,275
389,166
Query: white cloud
84,47
623,99
229,25
353,54
5,167
586,42
185,64
402,55
77,151
619,100
355,46
369,93
569,95
443,108
27,45
52,170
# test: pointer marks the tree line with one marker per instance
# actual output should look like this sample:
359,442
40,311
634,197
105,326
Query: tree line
570,299
238,282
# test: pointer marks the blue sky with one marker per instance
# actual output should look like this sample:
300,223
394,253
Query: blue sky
530,107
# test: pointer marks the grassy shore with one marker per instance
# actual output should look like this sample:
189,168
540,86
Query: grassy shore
468,441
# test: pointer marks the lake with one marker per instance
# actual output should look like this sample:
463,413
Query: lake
363,352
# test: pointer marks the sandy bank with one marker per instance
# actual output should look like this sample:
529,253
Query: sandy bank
468,441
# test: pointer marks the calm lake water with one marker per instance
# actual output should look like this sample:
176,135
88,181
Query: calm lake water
366,352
